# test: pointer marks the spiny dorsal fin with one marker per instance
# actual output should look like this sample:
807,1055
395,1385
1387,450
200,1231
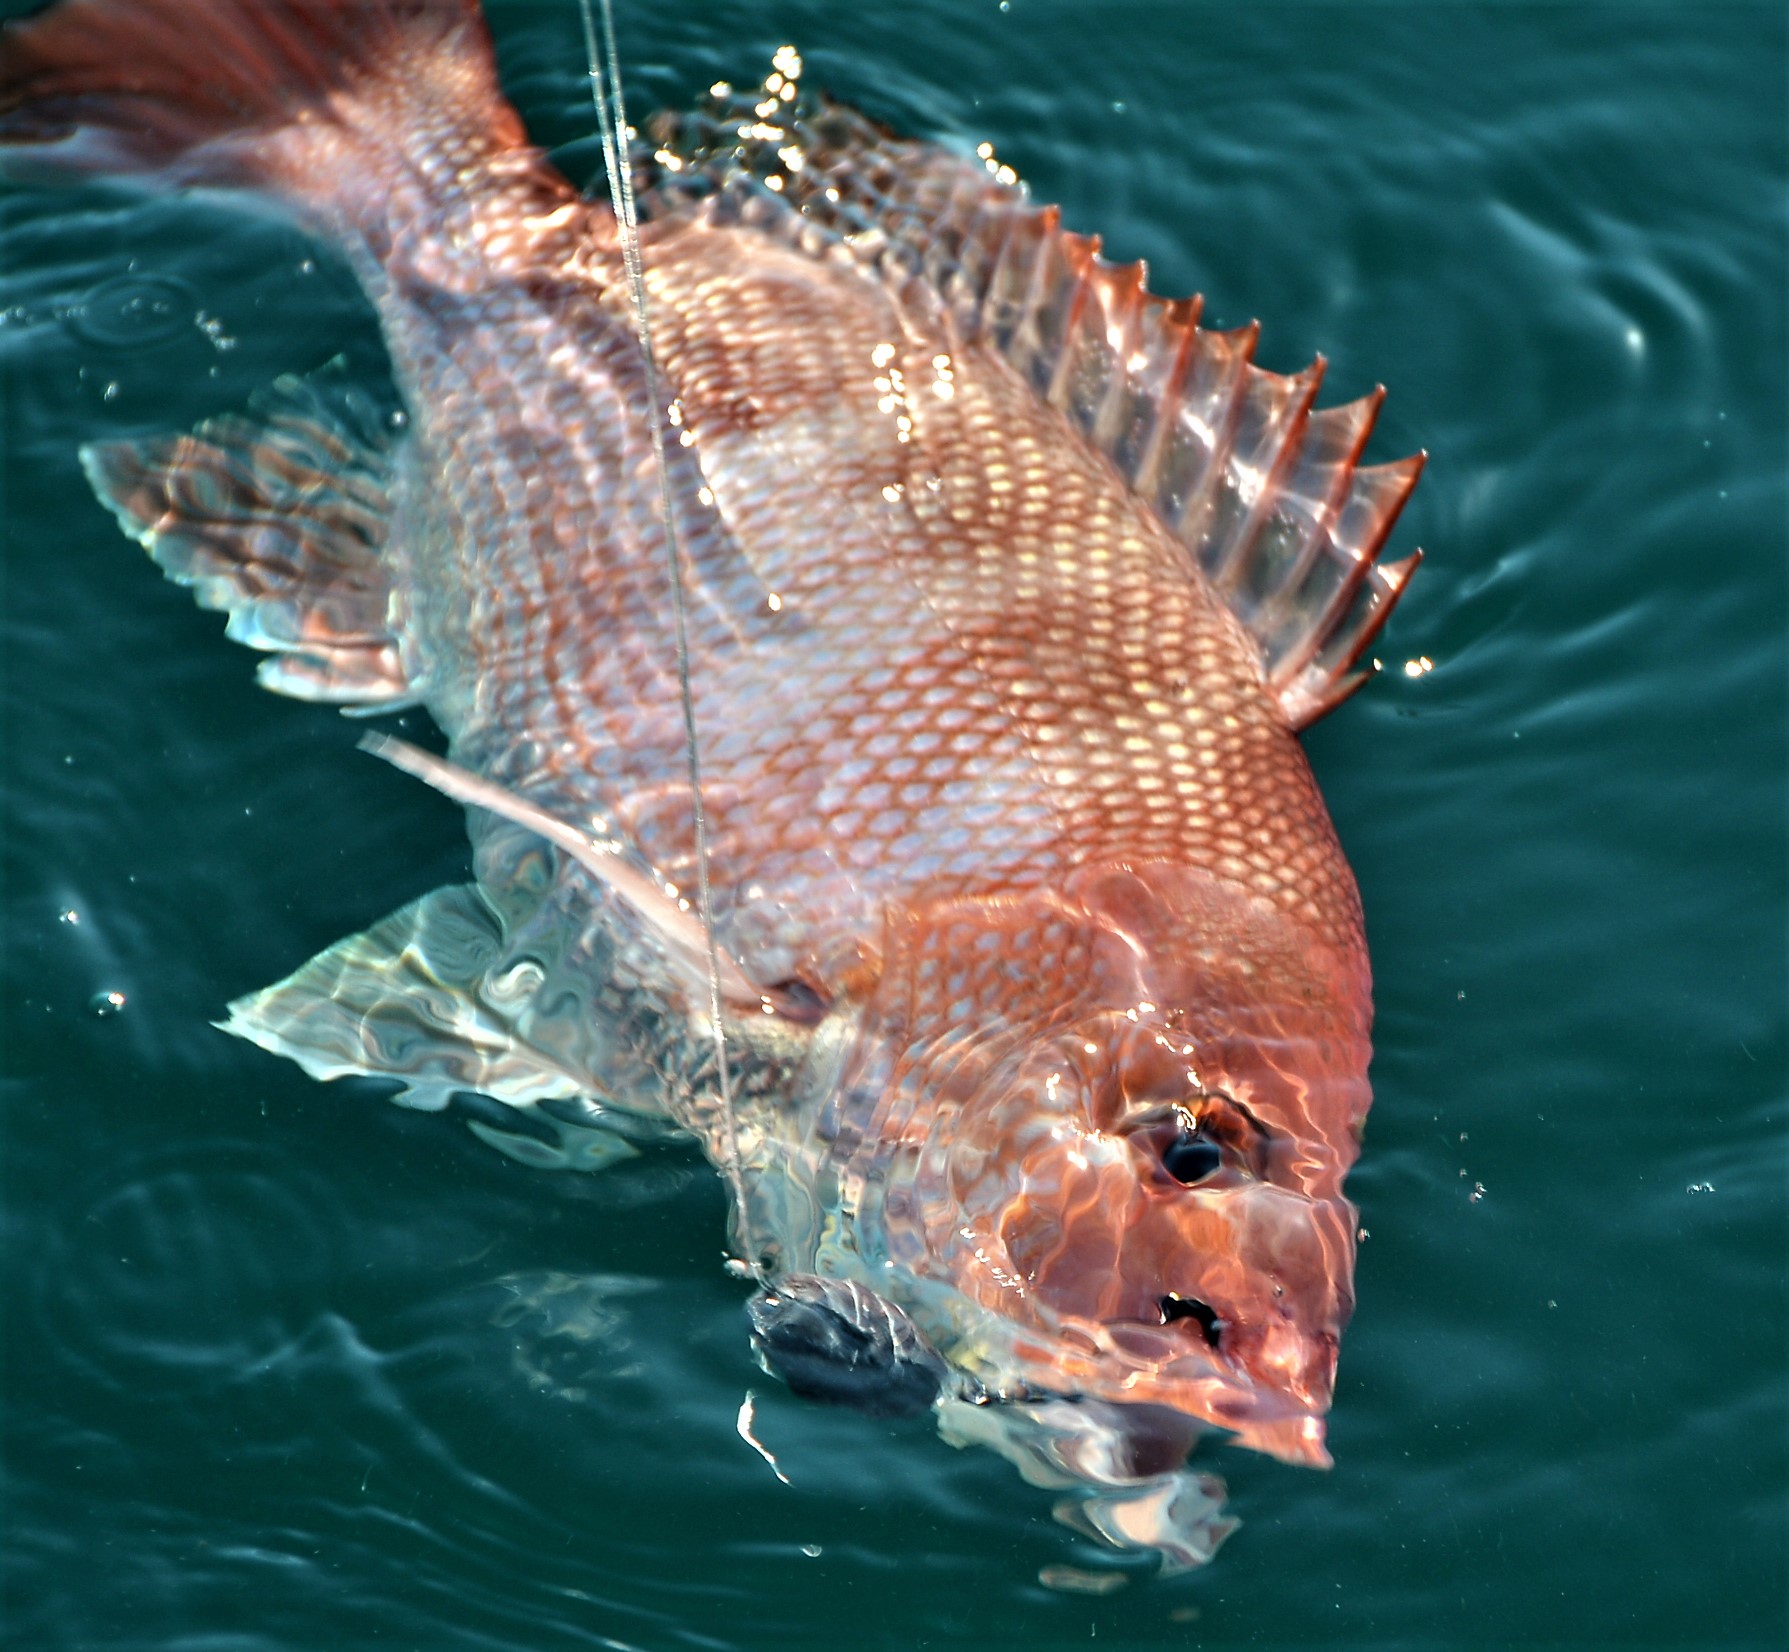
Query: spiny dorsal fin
1265,491
277,517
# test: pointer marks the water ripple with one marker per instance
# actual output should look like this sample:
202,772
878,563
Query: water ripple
288,1369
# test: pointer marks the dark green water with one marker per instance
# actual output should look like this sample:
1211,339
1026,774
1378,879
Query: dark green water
286,1368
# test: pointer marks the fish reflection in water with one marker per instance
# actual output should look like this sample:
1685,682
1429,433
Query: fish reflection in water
1007,587
570,1330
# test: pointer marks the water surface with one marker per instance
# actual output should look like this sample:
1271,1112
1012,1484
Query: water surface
286,1367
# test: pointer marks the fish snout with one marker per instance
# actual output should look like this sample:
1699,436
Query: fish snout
1291,1359
1298,1257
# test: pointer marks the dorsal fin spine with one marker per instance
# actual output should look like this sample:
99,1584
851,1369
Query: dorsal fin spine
1190,515
1295,522
1381,491
1329,679
1012,281
1080,255
988,241
959,261
1184,330
1125,308
1355,420
1168,478
1057,294
1282,439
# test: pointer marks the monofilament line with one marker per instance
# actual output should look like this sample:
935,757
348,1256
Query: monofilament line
611,119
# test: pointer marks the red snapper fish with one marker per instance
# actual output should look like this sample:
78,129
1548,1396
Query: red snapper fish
1007,588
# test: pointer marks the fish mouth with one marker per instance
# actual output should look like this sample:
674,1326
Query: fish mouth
1269,1394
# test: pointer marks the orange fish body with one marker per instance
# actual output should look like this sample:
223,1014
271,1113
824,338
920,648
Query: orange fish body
1008,589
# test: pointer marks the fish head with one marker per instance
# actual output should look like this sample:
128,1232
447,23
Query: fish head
1146,1185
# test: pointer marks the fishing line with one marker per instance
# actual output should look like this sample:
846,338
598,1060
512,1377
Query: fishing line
611,119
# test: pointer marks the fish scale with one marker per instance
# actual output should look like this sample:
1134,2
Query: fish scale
1127,710
1040,969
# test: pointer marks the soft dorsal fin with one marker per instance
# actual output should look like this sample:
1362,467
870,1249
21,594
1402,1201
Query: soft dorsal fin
278,516
1266,492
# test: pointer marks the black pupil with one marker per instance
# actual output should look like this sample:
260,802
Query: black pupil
1191,1157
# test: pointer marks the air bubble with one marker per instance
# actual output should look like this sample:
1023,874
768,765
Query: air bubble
213,329
131,311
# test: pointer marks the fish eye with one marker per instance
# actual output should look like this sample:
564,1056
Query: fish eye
1191,1156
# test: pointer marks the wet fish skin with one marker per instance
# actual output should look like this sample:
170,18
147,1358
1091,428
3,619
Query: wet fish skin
997,774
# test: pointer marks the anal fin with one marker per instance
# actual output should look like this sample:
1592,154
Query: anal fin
438,996
418,997
276,517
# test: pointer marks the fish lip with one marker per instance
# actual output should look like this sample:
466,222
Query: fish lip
1301,1441
1199,1382
1260,1420
1145,1362
1269,1421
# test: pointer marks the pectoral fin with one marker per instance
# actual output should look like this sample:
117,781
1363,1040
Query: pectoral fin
688,949
431,995
836,1341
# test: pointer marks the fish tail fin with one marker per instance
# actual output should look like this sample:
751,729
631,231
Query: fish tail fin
279,94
